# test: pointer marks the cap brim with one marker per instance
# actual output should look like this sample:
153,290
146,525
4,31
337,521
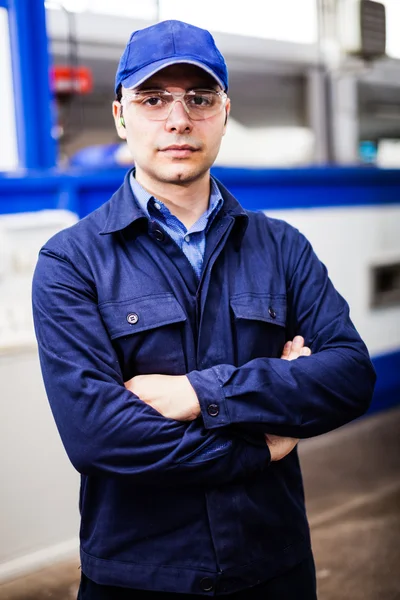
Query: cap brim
139,77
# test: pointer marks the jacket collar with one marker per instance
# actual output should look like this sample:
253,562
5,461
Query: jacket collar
125,210
232,207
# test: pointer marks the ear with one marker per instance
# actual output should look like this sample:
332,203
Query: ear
227,111
119,119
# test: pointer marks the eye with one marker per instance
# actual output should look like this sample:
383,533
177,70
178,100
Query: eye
153,100
201,99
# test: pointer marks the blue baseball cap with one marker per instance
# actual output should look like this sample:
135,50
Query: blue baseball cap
168,43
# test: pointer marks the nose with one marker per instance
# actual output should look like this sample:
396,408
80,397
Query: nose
178,118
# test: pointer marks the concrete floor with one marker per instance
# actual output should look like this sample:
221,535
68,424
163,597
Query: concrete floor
352,481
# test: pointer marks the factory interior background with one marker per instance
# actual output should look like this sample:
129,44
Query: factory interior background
313,138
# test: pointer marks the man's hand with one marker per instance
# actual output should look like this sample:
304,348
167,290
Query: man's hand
293,350
170,395
279,446
282,446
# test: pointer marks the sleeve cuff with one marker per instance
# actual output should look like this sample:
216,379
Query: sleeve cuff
214,410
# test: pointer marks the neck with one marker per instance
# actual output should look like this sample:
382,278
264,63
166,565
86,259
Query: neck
186,202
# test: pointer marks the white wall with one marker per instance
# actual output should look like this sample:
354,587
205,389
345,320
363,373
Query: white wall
39,520
349,241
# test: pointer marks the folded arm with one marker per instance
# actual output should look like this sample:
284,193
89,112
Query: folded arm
175,398
106,429
291,398
300,398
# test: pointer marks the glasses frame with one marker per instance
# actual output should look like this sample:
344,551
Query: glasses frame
177,97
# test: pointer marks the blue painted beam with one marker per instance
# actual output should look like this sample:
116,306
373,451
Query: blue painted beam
30,66
83,190
387,389
318,187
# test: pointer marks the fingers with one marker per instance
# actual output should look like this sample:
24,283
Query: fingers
298,344
286,350
294,349
305,351
279,446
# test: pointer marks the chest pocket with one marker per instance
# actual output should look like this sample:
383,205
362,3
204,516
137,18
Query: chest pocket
259,325
147,334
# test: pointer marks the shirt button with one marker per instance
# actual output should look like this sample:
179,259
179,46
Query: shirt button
213,410
187,238
158,234
157,206
207,584
272,313
132,318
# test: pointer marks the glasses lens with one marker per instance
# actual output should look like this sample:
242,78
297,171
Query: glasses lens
156,105
203,104
152,104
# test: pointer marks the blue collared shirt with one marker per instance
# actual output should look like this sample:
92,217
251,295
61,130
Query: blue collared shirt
191,241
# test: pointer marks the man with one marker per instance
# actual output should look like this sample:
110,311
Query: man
161,319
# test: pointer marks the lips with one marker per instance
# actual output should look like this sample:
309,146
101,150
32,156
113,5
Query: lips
179,151
176,147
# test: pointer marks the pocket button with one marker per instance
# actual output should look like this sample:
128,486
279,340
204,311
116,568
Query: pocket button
272,313
132,318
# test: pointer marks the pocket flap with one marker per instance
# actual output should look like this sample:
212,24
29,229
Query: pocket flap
270,308
139,314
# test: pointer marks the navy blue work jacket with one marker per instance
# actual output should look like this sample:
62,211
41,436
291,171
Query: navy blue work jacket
191,507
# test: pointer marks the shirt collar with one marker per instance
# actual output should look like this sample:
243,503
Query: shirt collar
125,209
145,198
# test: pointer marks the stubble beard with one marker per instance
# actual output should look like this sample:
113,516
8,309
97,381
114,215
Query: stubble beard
184,176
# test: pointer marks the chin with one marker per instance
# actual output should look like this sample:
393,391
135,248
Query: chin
182,173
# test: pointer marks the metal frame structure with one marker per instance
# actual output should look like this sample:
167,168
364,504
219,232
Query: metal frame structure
32,97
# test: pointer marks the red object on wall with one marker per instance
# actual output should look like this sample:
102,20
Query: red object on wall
71,80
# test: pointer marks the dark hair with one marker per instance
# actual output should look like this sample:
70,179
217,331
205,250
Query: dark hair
118,94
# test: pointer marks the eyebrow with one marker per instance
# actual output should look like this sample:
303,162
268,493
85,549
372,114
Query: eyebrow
146,88
156,88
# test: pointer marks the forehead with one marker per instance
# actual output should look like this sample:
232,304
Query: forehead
181,75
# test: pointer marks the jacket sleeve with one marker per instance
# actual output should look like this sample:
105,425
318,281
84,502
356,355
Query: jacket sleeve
304,397
105,429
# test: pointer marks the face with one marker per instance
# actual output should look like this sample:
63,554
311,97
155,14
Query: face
149,141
